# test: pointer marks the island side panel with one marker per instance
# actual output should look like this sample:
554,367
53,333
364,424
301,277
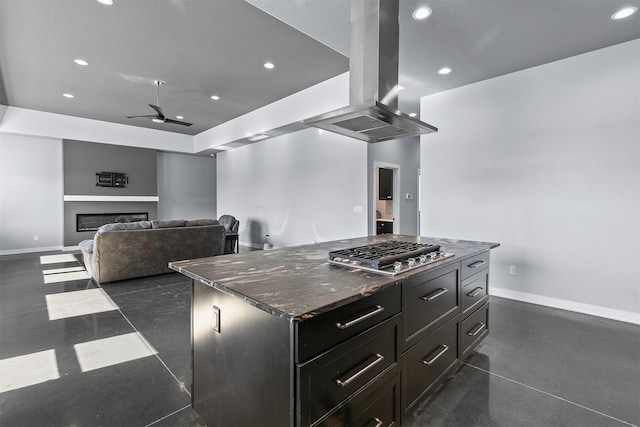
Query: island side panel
242,362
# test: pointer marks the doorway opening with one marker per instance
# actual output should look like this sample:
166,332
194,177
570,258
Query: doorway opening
386,197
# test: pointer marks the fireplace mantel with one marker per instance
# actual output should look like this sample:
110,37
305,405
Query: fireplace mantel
92,198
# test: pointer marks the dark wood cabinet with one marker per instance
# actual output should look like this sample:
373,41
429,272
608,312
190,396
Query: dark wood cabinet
428,300
474,326
327,381
242,375
474,291
378,405
369,362
384,227
321,332
427,361
474,329
385,184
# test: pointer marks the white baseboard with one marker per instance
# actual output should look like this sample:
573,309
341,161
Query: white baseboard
578,307
30,250
251,245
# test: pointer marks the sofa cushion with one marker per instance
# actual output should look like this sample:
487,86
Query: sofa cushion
167,224
86,246
138,225
200,222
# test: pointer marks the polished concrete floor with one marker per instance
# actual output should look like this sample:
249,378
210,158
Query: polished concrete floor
74,354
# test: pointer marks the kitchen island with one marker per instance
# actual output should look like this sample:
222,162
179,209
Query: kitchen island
283,337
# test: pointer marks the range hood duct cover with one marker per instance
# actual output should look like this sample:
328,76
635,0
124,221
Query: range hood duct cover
372,114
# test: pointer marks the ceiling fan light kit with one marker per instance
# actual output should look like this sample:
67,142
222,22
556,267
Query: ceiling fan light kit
159,117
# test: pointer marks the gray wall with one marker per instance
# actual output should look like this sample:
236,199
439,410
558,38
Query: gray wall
186,186
30,193
83,159
298,188
545,161
81,162
406,154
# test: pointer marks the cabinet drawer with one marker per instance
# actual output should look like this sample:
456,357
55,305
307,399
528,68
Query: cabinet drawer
329,379
427,299
474,264
425,362
474,291
473,330
326,330
378,405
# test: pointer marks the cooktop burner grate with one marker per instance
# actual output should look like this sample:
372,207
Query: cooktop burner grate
380,255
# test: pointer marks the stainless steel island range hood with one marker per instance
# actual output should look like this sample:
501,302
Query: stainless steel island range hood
372,114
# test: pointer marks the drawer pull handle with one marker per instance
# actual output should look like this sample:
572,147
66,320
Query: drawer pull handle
475,292
476,330
476,264
378,422
435,294
349,380
377,309
437,355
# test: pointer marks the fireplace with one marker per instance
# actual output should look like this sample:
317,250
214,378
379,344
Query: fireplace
93,221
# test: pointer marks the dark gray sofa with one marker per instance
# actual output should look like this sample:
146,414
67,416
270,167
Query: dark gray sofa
144,248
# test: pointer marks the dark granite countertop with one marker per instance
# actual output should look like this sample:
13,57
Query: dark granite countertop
298,282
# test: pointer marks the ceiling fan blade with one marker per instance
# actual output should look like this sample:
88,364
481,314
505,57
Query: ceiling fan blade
145,117
177,122
158,110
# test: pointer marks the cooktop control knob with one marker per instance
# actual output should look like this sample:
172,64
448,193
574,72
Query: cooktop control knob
423,258
397,266
411,262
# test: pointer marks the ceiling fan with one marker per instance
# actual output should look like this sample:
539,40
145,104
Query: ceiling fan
160,117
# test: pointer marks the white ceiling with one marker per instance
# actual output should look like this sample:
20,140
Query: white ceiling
206,47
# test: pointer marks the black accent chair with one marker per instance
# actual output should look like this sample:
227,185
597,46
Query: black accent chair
231,226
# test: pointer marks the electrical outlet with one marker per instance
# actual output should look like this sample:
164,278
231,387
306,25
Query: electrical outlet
215,324
357,209
513,270
36,237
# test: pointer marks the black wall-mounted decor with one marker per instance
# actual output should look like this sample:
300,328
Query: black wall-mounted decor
111,179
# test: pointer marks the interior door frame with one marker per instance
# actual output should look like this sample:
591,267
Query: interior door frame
396,194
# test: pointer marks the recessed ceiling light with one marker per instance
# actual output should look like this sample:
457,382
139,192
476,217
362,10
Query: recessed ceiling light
421,13
215,97
258,137
107,2
412,114
623,13
67,95
445,70
269,65
179,117
80,61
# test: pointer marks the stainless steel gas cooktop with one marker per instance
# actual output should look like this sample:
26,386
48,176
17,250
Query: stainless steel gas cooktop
389,258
